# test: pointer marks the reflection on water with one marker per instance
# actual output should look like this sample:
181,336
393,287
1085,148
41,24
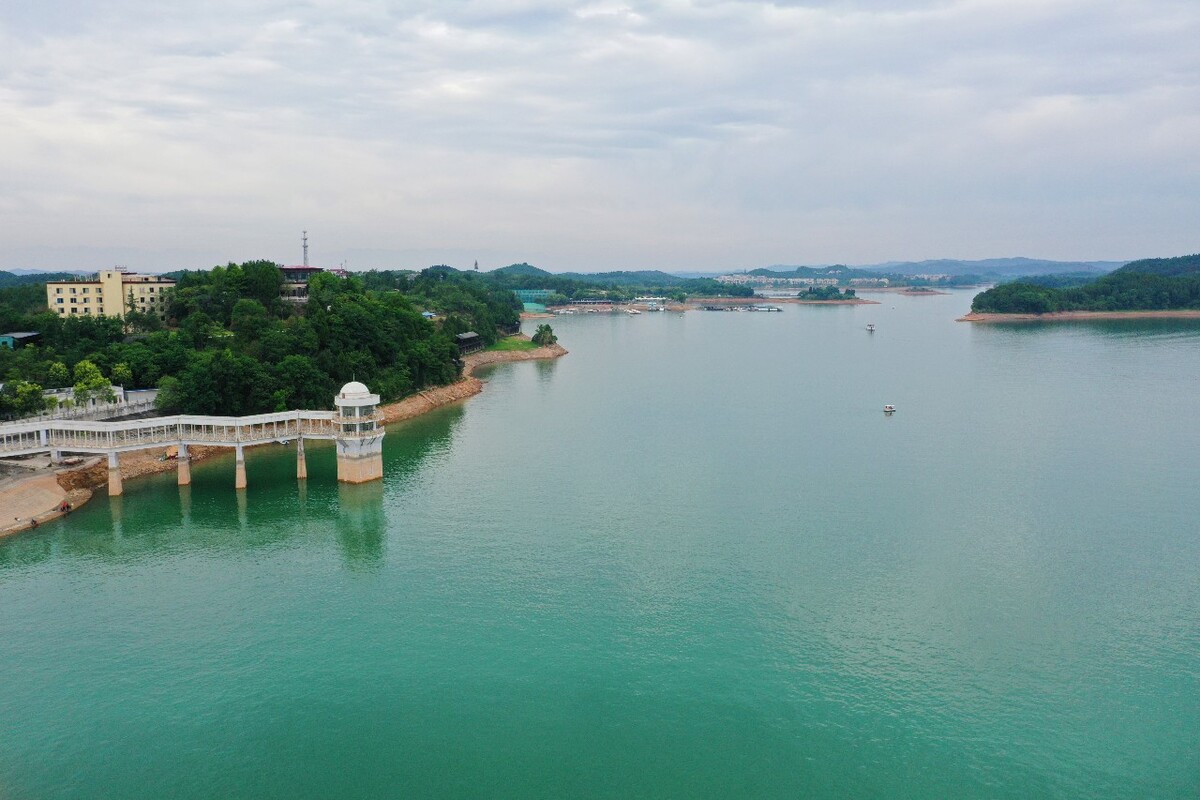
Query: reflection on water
361,523
157,518
1145,331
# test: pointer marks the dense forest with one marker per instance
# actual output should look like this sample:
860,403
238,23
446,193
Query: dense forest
1148,285
232,346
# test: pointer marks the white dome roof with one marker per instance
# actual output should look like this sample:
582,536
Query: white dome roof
354,389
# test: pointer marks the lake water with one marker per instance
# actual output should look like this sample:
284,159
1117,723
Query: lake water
690,559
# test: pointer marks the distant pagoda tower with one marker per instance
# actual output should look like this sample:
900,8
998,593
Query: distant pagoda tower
359,436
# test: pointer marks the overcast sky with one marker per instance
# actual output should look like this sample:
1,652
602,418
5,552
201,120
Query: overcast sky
677,134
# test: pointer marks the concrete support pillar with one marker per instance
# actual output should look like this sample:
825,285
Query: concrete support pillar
115,489
183,462
239,476
301,464
55,456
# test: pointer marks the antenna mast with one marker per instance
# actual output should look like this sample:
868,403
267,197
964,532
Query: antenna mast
304,239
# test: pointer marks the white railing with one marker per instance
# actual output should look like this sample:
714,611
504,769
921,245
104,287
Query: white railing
86,435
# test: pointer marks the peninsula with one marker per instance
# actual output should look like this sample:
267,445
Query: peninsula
1151,288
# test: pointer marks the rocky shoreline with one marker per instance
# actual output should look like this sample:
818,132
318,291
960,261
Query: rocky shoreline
37,498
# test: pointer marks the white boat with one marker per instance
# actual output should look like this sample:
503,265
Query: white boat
632,311
889,409
870,327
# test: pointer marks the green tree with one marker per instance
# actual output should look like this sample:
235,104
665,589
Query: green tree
58,375
544,336
248,320
170,394
122,374
28,398
90,384
301,384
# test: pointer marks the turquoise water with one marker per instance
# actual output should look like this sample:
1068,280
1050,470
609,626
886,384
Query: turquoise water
690,559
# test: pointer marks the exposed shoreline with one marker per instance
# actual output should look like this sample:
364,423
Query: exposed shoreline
39,495
1076,316
694,302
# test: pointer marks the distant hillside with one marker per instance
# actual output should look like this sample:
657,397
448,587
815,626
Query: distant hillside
26,278
999,267
1156,284
840,271
1181,265
641,278
520,269
620,278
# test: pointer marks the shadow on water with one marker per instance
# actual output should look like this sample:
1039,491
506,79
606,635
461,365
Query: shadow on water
156,517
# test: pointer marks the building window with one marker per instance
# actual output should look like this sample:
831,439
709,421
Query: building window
58,300
73,290
74,310
85,290
74,300
58,290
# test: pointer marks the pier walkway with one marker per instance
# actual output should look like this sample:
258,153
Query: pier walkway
355,426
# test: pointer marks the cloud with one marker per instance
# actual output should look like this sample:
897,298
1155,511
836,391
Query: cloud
599,134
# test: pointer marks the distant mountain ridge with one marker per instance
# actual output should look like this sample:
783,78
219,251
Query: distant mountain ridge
986,267
26,277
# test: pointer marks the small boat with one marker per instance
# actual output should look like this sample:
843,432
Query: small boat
889,409
870,327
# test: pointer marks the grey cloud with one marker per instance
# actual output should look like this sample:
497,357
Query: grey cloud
585,135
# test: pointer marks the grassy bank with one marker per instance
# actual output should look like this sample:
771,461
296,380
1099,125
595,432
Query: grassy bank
512,343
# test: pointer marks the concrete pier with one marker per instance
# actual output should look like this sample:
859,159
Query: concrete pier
115,489
184,464
239,475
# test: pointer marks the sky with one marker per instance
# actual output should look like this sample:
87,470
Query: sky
680,135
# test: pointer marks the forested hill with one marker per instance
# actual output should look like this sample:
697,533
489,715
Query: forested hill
1148,285
11,279
1181,265
233,346
617,286
525,276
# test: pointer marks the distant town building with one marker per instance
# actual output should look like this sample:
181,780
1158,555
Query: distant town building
468,342
532,295
295,281
18,339
111,293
